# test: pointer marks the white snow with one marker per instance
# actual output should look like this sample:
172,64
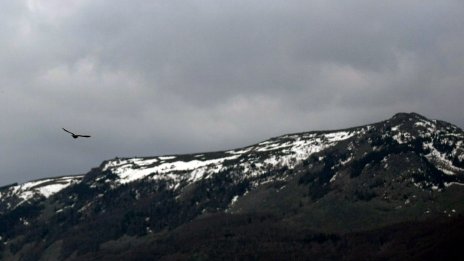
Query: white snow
346,161
292,149
448,184
144,162
132,161
440,160
168,170
49,190
167,157
234,199
396,128
339,136
333,178
274,146
240,151
431,127
44,187
402,137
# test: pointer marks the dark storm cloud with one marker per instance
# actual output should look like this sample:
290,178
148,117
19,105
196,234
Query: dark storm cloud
160,77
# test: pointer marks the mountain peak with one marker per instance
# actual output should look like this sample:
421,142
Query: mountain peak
408,116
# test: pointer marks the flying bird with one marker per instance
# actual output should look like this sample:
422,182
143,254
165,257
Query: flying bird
76,135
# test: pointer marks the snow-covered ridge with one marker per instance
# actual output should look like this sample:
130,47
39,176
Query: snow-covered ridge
433,131
287,150
38,188
129,170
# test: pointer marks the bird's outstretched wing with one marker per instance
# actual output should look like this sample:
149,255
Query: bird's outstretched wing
76,135
68,131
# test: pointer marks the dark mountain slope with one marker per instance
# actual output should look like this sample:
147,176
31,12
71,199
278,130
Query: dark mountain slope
260,237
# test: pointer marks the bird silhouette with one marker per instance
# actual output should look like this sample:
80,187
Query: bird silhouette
76,135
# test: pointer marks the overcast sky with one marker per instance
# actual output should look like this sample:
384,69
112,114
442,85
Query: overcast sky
148,78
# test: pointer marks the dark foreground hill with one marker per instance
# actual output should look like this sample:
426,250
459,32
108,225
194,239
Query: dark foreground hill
389,190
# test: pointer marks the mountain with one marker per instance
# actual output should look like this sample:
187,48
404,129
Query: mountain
357,193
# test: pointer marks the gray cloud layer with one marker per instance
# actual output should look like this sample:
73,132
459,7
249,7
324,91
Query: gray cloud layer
160,77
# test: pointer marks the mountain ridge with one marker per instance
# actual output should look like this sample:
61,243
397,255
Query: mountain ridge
404,169
397,120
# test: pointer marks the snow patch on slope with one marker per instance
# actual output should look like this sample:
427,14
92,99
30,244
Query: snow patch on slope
128,174
290,151
440,161
39,188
